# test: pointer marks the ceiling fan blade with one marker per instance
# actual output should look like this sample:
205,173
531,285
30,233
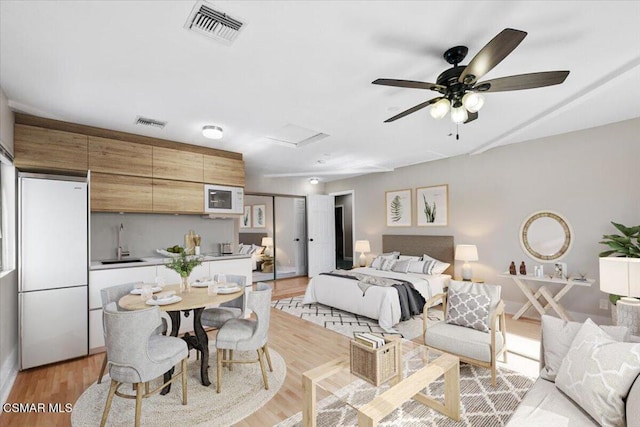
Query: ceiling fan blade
408,84
491,55
471,117
523,81
413,109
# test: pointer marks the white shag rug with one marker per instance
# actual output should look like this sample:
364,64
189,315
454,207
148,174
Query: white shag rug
242,394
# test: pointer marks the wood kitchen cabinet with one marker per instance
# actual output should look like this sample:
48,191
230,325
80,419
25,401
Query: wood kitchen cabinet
49,150
120,157
177,196
222,170
177,164
121,193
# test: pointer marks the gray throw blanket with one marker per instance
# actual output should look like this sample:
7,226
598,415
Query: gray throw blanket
411,301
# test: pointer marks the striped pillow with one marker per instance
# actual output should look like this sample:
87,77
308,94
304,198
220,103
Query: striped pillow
439,267
426,267
387,264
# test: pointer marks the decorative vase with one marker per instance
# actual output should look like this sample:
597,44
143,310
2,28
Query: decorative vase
185,286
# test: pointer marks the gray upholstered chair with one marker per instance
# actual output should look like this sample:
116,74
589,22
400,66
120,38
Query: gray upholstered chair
113,294
247,334
137,354
234,309
470,345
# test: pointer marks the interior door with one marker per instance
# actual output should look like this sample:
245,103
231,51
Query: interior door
300,237
321,237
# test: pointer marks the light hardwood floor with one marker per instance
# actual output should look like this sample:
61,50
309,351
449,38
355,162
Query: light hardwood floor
303,346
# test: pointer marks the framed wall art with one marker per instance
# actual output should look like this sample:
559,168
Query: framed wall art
245,220
432,206
398,208
259,216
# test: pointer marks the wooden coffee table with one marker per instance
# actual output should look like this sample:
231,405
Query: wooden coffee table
334,376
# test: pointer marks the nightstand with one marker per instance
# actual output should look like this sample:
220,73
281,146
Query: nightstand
473,280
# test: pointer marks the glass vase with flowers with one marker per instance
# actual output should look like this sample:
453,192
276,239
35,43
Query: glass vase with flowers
184,265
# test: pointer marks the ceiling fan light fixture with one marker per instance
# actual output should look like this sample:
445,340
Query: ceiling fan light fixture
473,101
440,109
459,115
212,132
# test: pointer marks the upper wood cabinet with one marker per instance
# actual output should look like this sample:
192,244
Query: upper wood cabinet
120,193
177,165
47,149
221,170
177,196
120,157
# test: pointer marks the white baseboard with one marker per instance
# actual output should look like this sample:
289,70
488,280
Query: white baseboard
512,307
8,374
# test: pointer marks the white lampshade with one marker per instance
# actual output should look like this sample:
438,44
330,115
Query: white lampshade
267,241
212,132
466,253
459,115
620,276
473,101
362,246
440,108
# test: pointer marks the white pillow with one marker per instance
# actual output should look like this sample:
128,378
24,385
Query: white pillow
387,264
245,249
401,266
408,258
557,336
438,266
427,267
255,249
598,373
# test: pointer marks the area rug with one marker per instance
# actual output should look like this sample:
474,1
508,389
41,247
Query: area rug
347,323
242,394
481,405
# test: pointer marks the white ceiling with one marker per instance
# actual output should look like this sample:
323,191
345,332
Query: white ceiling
310,64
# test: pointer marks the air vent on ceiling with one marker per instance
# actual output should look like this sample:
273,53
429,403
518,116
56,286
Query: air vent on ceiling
150,122
206,20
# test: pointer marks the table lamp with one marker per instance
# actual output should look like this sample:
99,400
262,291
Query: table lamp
362,246
621,276
466,253
267,242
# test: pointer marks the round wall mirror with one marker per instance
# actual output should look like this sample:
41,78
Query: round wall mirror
546,236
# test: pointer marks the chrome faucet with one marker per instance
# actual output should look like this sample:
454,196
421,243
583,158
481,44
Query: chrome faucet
119,252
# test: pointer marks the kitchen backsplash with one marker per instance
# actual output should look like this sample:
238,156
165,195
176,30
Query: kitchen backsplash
144,233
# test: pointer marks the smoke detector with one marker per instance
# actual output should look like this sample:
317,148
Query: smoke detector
211,22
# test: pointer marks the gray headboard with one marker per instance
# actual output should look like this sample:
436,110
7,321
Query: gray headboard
251,238
438,247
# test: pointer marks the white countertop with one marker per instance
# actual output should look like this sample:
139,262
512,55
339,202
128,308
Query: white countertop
148,261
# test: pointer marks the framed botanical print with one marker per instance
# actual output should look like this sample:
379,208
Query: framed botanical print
259,216
245,221
398,207
432,206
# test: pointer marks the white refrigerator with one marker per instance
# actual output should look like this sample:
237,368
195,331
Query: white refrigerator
53,268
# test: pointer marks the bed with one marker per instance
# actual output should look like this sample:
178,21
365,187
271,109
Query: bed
382,303
253,239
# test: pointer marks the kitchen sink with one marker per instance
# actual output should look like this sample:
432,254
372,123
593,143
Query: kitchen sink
121,261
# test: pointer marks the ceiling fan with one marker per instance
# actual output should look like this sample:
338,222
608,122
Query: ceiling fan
459,86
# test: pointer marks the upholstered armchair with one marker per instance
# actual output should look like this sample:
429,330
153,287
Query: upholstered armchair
247,334
217,316
113,294
474,325
137,355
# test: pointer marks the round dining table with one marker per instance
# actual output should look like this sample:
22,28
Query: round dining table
197,299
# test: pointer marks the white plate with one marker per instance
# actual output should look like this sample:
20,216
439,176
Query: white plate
202,284
228,290
138,291
174,299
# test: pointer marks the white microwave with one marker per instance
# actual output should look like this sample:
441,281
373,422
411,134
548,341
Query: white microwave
223,199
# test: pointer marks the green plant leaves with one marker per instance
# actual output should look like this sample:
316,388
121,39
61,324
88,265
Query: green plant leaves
622,246
396,209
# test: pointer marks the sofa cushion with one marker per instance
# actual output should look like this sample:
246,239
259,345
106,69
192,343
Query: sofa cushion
557,335
468,310
545,405
598,372
462,341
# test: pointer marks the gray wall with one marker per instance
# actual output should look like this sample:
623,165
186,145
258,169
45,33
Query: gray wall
591,177
347,202
144,233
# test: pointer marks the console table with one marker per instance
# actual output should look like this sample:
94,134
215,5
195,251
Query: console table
553,301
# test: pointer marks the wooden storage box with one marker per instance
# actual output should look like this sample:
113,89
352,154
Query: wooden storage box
376,365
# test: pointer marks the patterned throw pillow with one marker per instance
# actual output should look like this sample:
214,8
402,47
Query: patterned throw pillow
468,310
387,264
377,261
598,373
438,267
427,267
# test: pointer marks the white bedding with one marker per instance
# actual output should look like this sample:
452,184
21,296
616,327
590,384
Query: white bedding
379,303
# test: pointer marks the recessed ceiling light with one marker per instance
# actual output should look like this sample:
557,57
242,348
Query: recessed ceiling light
212,132
314,181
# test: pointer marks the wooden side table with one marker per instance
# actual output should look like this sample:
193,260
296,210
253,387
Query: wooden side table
552,301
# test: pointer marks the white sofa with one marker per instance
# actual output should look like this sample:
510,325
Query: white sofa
545,405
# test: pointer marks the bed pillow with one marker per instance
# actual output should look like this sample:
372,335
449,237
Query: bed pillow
408,258
245,249
557,336
438,266
401,266
377,261
257,250
426,267
468,310
598,373
387,264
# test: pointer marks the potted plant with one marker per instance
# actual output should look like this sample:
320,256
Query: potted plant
184,265
626,245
